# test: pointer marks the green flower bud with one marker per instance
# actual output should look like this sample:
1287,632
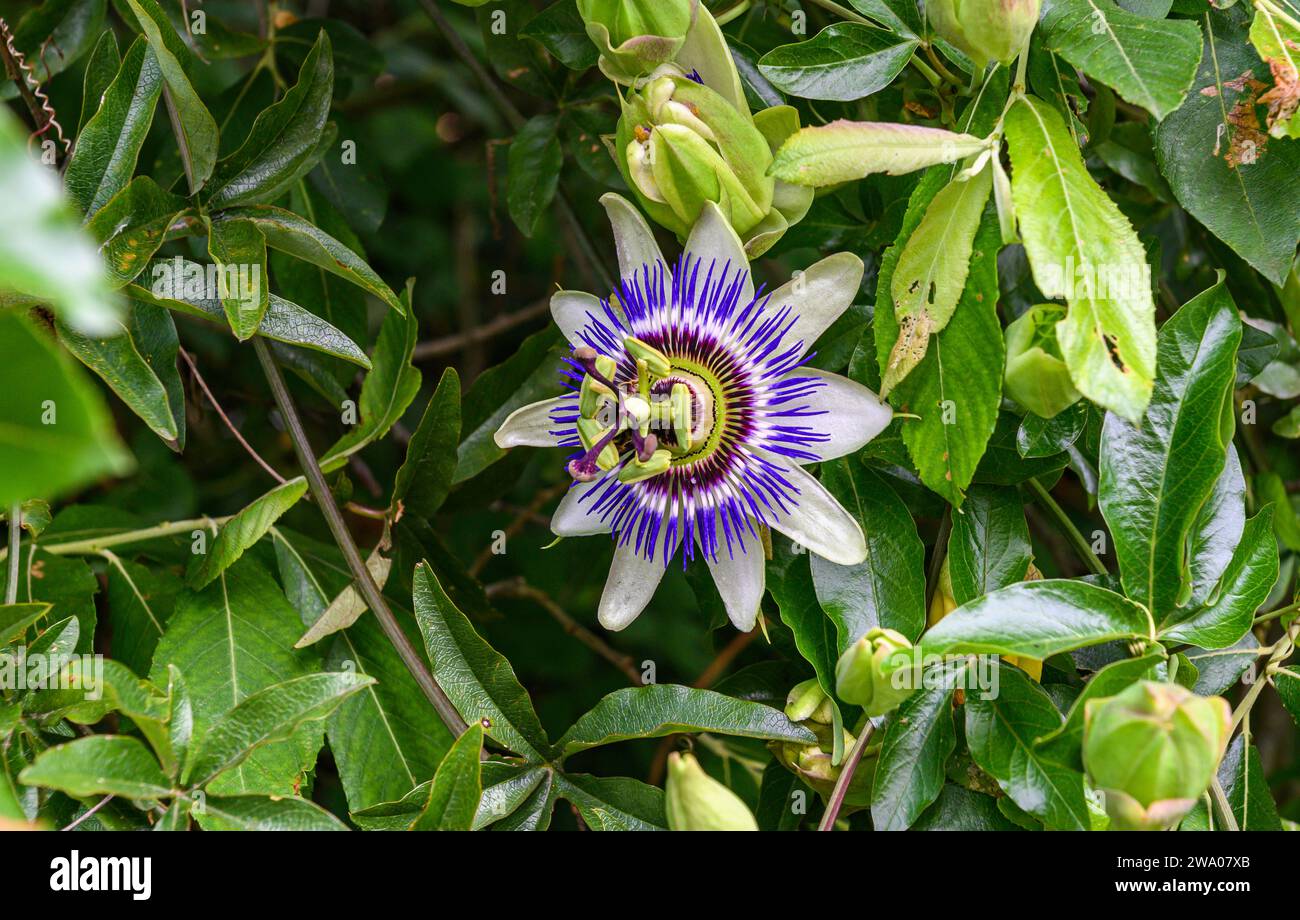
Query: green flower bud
636,36
861,676
1152,750
696,801
1037,377
681,144
986,30
807,701
812,764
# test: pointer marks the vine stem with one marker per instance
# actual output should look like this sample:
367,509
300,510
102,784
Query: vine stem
1281,651
1222,806
1076,539
846,776
15,536
370,592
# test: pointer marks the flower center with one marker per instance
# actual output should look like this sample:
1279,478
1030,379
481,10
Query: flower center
671,413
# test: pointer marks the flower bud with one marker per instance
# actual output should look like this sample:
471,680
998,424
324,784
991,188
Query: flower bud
696,801
1036,376
807,701
862,676
812,763
1152,750
986,30
943,603
636,36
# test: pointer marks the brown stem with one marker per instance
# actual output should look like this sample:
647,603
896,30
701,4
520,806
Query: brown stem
230,426
517,587
846,777
453,343
370,592
519,523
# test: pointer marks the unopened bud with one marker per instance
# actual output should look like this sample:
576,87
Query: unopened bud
696,801
1152,750
863,675
1037,377
986,30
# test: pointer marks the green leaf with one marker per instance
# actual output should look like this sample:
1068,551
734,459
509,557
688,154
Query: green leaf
932,269
245,529
387,390
529,375
424,478
269,715
1242,774
15,618
1150,62
1155,476
55,432
1275,34
560,30
1084,250
457,787
901,16
99,765
669,709
230,640
887,589
101,69
956,388
1038,619
70,26
195,129
1287,682
534,171
846,150
790,580
117,360
843,62
263,813
1228,175
107,148
387,737
961,809
480,682
614,803
913,755
1228,613
289,233
180,285
132,225
282,145
1064,745
238,249
125,693
1001,733
989,547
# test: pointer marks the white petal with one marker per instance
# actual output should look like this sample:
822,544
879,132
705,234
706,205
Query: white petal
713,240
819,295
633,238
740,581
573,518
816,520
853,415
573,310
531,425
632,582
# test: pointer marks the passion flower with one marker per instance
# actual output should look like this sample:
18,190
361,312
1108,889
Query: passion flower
691,415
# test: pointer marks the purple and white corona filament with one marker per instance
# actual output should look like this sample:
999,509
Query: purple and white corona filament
691,414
